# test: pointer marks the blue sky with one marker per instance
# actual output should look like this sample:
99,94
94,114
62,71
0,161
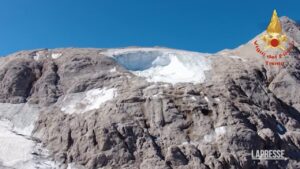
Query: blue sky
198,25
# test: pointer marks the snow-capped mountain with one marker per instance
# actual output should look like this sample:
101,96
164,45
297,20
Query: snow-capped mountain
148,108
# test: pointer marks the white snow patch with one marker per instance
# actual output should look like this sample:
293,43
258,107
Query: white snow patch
189,143
25,131
220,131
193,98
14,148
209,137
163,65
22,116
71,166
87,101
217,133
206,99
37,56
43,55
217,99
56,55
113,70
185,143
234,57
166,85
155,96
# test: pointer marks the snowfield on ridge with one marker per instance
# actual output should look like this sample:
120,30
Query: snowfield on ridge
162,64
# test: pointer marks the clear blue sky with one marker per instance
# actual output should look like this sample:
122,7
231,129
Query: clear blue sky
198,25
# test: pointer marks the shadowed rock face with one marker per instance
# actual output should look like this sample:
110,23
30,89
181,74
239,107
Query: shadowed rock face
243,105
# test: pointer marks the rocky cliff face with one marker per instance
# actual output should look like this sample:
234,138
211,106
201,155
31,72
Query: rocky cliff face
126,108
